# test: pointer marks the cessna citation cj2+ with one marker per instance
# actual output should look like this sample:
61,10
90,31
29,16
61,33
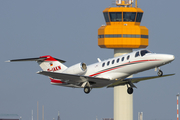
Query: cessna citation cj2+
110,73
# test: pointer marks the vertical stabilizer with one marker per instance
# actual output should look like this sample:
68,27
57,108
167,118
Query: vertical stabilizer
51,64
47,63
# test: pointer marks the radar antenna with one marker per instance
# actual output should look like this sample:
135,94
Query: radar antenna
125,3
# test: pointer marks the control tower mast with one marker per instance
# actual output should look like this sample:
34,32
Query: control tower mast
123,33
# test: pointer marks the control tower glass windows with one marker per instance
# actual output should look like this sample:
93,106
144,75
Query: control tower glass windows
129,16
106,16
115,16
139,17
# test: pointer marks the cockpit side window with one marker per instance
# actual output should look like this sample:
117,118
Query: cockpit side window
137,54
144,52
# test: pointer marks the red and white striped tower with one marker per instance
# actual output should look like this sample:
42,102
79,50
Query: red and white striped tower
177,107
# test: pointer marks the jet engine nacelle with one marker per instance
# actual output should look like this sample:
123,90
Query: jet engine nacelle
78,69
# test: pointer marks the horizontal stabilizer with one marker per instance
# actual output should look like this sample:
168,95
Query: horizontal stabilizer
36,59
27,59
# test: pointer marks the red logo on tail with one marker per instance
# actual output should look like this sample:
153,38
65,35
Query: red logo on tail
54,69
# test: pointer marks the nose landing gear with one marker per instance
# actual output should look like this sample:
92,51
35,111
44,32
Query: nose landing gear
160,72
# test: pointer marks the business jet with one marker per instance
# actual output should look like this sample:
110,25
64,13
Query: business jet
108,73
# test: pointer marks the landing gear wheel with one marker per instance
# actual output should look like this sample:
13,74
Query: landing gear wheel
160,73
130,90
87,90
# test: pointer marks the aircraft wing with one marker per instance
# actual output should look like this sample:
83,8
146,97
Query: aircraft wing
75,79
135,80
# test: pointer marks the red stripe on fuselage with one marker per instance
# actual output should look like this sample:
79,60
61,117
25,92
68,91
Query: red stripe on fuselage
127,63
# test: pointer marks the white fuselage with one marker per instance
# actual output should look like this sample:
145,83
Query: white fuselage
128,64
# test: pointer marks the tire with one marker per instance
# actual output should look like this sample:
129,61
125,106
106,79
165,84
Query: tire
160,73
87,90
130,90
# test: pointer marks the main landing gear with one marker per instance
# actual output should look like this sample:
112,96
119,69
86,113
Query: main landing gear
130,86
130,90
87,89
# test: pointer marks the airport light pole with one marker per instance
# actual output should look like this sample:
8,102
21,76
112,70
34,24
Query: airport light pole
177,107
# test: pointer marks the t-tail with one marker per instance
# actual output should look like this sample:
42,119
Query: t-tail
47,63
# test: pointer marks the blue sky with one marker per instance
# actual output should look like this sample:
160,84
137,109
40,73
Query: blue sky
68,30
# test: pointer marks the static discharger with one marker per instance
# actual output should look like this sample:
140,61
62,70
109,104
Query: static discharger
122,29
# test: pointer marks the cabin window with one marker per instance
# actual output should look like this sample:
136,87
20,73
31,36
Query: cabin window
113,62
122,59
103,64
108,63
137,54
128,57
117,60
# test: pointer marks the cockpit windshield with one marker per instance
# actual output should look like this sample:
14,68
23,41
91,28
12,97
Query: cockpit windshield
144,52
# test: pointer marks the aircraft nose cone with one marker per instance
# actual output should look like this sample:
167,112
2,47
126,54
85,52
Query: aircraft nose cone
171,57
168,58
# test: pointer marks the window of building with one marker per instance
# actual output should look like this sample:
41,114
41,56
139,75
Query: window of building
106,16
113,36
100,36
144,36
139,17
115,16
129,16
131,36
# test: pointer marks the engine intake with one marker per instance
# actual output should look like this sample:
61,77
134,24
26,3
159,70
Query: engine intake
78,69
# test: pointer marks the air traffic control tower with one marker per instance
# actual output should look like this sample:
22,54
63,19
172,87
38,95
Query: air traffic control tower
123,33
